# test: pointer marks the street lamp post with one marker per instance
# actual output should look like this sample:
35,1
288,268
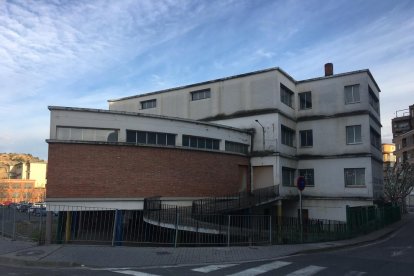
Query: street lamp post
263,129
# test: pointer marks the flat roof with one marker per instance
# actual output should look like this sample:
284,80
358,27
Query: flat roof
342,75
246,75
126,113
207,82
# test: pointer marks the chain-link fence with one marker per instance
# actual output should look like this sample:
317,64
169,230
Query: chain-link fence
180,226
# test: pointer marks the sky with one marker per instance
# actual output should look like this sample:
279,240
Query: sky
83,53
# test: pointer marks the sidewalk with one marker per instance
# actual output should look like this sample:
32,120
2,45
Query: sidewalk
27,253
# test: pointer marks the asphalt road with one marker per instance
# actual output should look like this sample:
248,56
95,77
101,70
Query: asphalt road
391,256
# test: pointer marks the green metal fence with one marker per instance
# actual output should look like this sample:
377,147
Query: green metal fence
365,219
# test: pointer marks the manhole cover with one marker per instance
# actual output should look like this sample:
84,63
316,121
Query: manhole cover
30,253
163,253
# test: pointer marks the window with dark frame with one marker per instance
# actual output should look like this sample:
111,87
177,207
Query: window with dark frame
309,176
149,104
150,138
200,94
236,147
353,134
306,138
288,136
286,95
305,100
352,94
201,142
373,100
354,177
375,139
288,176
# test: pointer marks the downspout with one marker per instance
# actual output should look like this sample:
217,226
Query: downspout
252,131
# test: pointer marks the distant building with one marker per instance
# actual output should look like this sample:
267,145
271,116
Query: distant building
236,134
403,121
30,170
403,133
20,190
388,155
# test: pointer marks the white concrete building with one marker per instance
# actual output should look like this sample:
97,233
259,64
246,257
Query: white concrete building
326,129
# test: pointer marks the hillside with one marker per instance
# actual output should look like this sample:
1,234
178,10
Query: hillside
7,159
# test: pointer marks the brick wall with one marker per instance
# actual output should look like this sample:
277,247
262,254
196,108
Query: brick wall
115,171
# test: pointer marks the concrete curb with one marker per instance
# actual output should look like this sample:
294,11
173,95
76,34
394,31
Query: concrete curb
35,263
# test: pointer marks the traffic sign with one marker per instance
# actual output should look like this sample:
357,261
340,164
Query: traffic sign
301,183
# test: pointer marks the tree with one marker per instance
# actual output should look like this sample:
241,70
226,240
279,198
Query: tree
398,183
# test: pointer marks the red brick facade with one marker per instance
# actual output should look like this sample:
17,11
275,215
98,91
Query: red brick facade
115,171
19,190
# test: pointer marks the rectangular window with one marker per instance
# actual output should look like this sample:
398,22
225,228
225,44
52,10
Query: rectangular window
236,147
288,176
286,95
353,134
288,136
352,94
375,139
305,100
306,138
200,94
87,134
149,104
150,138
354,177
373,100
308,174
200,142
405,156
404,142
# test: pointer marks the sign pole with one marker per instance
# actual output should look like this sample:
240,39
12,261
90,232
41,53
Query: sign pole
300,216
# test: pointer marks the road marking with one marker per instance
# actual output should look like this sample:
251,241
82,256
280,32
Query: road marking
261,269
210,268
307,271
134,273
355,273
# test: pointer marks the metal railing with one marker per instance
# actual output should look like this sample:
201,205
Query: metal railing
242,200
177,226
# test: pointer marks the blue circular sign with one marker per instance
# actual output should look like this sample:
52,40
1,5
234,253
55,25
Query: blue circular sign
301,183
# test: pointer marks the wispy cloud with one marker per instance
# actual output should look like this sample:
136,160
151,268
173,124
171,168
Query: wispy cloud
81,53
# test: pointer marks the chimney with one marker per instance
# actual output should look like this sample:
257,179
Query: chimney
328,69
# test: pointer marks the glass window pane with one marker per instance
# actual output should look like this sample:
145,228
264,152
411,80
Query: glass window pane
186,140
141,137
170,139
131,136
209,144
152,138
63,133
76,134
161,139
112,136
201,143
193,142
216,144
357,133
356,93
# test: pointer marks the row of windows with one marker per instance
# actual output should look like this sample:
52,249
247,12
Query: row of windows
146,137
87,134
151,138
195,96
352,95
16,186
353,136
200,142
352,176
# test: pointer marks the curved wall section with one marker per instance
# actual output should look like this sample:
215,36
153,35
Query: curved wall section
120,171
